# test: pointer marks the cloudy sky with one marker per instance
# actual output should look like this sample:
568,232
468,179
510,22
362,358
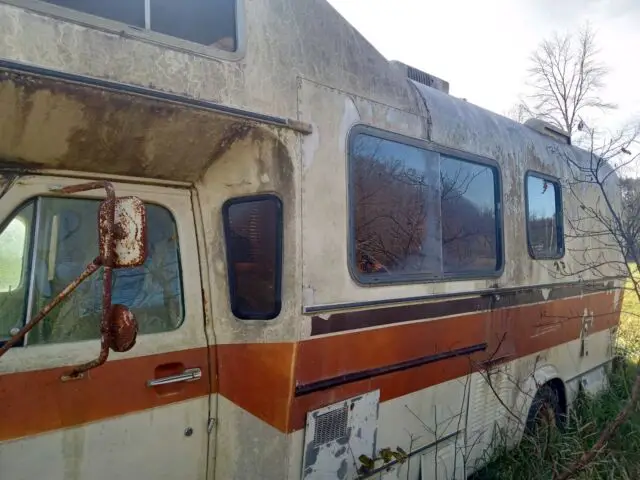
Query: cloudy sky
481,47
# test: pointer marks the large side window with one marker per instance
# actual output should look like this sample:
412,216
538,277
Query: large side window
545,233
419,214
206,22
64,241
253,232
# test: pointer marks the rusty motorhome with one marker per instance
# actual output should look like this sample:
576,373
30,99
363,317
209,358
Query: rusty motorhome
336,252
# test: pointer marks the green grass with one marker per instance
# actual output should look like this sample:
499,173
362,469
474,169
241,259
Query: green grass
539,457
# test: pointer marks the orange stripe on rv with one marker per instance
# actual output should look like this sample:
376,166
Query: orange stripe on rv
38,401
263,378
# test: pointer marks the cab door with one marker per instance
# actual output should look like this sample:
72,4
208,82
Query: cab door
142,415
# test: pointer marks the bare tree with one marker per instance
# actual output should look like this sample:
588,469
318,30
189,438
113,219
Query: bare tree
610,227
565,80
518,112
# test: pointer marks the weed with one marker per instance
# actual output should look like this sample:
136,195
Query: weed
540,456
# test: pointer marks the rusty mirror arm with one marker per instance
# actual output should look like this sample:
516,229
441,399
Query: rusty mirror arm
122,230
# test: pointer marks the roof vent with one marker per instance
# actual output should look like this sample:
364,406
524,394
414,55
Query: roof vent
549,130
422,77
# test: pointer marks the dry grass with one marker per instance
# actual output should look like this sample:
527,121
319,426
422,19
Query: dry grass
537,459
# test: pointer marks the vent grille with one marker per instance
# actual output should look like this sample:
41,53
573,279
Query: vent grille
331,426
422,77
419,76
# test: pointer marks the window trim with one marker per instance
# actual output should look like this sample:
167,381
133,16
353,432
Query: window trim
560,233
370,280
148,36
231,276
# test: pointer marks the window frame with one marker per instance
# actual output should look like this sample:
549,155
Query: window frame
560,232
149,36
367,280
231,275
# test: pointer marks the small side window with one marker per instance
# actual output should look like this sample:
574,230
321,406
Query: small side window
545,233
253,233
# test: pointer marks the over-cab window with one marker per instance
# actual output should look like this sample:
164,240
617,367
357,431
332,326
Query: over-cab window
206,22
253,233
63,241
545,234
421,214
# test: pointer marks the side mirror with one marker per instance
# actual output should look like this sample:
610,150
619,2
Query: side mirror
129,234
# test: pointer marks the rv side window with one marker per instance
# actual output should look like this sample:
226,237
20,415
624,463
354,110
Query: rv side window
545,234
418,214
64,241
253,232
206,22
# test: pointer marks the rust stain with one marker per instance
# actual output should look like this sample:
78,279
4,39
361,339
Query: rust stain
92,129
130,232
123,328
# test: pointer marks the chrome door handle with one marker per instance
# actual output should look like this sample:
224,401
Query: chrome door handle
189,375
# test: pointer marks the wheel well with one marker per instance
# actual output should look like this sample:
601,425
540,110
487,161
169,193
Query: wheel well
559,388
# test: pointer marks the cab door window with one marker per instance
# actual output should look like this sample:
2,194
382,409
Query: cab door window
64,242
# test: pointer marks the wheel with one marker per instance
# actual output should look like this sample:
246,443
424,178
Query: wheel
546,412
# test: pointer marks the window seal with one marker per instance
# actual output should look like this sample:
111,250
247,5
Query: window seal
407,279
279,257
148,36
560,233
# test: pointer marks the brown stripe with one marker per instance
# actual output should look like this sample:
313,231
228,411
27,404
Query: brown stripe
261,378
374,317
509,334
258,378
38,401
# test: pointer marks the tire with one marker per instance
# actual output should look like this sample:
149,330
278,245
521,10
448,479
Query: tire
546,412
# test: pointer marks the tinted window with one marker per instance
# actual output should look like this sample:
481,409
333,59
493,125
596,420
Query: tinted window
415,211
253,230
207,22
66,241
544,217
469,233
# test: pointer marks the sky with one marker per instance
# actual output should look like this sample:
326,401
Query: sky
481,47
